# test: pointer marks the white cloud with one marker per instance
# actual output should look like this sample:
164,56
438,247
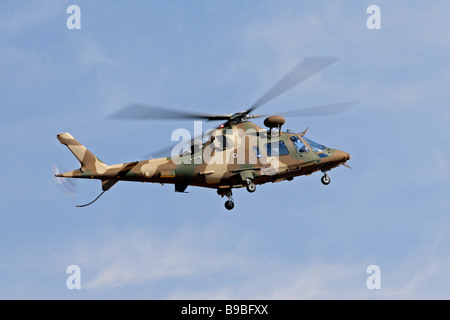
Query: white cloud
141,258
278,281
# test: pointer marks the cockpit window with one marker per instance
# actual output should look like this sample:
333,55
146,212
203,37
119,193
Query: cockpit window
276,149
299,145
315,146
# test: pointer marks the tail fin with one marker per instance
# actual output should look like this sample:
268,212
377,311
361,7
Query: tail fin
86,158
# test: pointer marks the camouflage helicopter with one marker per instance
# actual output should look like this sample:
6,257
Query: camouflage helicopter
236,154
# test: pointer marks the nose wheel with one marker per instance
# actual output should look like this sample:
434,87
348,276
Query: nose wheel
325,179
251,187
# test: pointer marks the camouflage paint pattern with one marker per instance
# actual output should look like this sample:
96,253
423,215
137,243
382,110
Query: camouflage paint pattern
239,162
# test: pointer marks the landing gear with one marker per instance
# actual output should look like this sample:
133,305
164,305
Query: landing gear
325,179
229,204
251,187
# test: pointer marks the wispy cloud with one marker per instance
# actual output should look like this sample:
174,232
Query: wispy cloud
91,53
143,259
29,14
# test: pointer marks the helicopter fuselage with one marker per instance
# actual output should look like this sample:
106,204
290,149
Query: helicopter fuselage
235,156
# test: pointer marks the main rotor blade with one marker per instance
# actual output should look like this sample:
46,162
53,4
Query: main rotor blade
304,70
138,111
325,110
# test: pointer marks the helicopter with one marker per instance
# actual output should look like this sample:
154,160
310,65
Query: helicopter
236,154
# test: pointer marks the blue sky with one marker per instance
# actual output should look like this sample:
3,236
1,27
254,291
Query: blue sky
290,240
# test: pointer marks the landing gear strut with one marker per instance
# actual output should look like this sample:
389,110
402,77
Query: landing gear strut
229,204
325,179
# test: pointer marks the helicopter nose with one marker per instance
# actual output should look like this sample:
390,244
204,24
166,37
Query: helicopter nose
341,156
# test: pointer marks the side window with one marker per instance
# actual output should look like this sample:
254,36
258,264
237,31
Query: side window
257,152
277,149
299,145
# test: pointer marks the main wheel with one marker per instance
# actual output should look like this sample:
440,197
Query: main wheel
229,205
251,187
326,180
